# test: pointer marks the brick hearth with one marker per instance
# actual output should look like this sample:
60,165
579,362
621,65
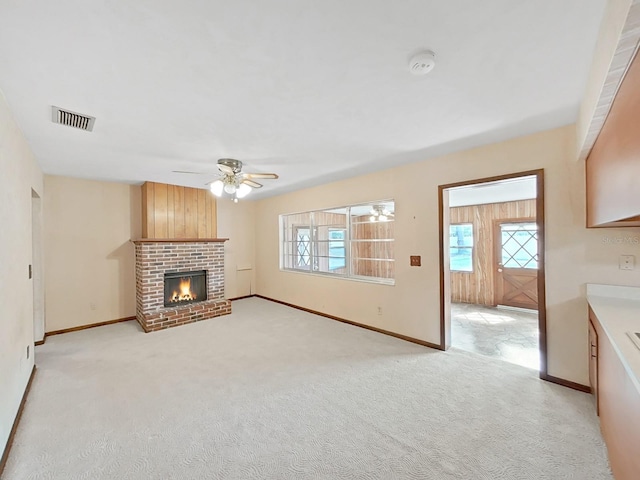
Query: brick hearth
154,258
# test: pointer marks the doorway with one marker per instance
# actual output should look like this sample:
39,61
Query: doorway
492,267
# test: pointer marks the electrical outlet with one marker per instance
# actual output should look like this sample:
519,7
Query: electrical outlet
415,260
627,262
379,310
92,306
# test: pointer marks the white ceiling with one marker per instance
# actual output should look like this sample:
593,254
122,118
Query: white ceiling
314,91
522,188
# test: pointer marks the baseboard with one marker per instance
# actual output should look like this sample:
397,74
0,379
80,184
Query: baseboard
14,428
355,324
566,383
242,297
549,378
84,327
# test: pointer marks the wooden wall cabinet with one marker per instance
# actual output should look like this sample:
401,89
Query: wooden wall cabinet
613,166
619,407
170,211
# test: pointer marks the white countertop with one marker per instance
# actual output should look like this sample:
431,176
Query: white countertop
618,310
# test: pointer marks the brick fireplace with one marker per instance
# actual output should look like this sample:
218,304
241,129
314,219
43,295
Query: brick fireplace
157,259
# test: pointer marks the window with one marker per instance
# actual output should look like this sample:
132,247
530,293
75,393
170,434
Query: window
519,245
349,242
461,247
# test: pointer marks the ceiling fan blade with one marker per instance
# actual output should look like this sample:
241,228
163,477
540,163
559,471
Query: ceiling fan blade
192,173
251,183
272,176
226,169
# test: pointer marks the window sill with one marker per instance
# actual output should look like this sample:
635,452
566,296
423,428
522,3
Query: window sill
377,281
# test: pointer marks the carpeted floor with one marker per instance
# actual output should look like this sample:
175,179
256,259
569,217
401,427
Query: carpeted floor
271,392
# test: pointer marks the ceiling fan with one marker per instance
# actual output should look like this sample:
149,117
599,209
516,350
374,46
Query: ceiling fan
233,180
380,213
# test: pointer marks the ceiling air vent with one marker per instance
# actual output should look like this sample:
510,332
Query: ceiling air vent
72,119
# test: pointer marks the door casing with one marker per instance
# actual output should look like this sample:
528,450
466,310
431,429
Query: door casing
445,287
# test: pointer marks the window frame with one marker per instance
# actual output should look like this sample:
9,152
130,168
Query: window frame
471,248
348,241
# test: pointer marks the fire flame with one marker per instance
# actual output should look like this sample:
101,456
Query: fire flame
185,294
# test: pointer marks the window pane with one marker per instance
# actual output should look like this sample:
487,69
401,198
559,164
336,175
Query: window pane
337,249
296,248
329,244
461,247
519,245
372,234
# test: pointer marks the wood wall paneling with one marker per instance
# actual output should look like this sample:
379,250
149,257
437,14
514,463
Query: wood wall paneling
160,211
171,211
213,216
613,166
171,224
202,214
191,212
145,209
179,219
478,287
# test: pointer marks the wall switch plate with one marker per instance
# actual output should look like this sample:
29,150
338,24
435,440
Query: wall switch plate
415,260
627,262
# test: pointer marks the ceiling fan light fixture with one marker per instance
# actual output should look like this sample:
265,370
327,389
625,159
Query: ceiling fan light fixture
230,188
217,187
243,190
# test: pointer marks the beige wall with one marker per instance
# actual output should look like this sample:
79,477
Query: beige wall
615,16
575,255
20,176
89,261
236,221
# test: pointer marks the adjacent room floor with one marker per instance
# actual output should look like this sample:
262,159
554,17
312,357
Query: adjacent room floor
507,334
270,392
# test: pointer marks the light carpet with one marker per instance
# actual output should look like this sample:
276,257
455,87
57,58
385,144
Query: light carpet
271,392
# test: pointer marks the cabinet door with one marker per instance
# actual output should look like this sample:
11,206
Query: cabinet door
619,408
593,363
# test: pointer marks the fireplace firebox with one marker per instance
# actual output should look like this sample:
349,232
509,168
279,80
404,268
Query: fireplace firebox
185,287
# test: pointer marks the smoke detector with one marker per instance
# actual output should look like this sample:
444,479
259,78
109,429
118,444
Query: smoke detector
422,63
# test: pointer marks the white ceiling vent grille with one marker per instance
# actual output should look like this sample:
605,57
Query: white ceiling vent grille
72,119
